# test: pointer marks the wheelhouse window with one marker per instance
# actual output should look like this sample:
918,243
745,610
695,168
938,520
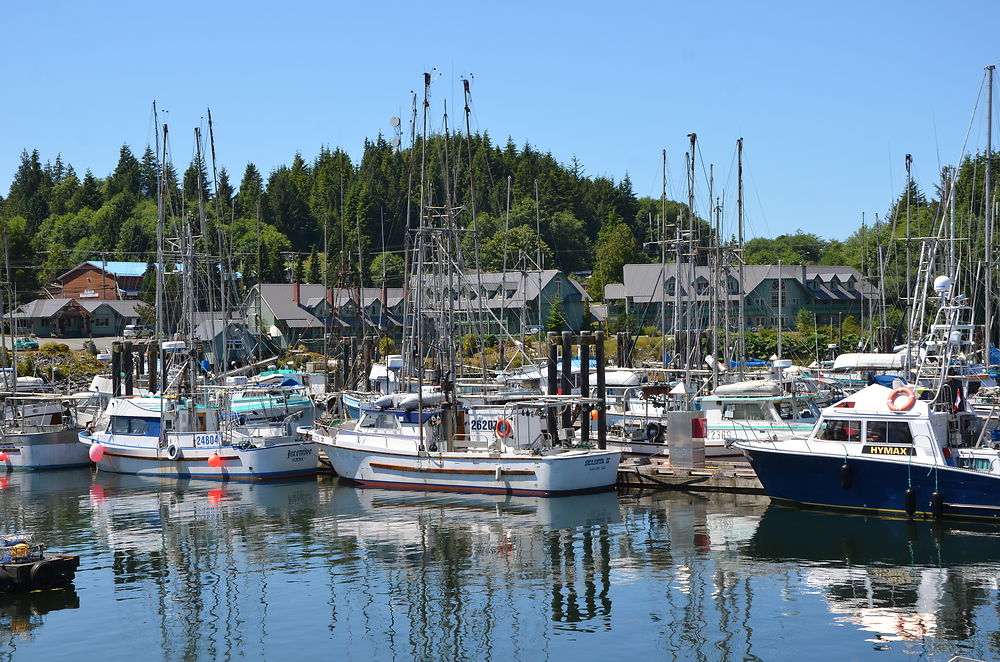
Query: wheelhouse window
134,425
888,432
833,430
378,420
749,411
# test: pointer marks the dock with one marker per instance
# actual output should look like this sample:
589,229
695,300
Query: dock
736,477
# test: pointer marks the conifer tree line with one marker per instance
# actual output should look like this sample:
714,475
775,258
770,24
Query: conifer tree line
528,205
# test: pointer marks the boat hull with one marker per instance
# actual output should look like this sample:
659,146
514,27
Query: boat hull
874,485
34,451
294,459
572,472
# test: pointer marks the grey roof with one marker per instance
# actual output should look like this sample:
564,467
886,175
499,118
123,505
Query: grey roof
642,282
280,298
210,329
41,308
614,291
126,308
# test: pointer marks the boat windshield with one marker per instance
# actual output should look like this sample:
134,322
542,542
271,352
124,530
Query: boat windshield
834,430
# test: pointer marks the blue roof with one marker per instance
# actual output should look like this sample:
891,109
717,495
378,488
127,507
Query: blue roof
120,268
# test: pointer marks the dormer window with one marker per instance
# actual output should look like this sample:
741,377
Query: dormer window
671,285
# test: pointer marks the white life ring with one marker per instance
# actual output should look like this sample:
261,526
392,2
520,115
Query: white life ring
173,451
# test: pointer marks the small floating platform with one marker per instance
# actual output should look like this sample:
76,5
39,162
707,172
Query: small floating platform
27,567
735,477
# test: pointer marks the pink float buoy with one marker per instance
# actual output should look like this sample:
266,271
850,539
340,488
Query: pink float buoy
96,452
3,457
214,460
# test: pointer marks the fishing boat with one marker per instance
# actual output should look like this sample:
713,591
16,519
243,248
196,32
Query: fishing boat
183,427
915,450
39,431
427,436
500,449
764,409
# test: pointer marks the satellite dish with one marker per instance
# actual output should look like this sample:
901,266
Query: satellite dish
395,142
394,121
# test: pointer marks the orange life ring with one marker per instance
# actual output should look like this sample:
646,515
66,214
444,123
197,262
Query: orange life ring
907,404
504,428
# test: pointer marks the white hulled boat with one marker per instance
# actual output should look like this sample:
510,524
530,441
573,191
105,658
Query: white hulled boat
495,449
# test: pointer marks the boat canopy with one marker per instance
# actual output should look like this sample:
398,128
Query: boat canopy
868,361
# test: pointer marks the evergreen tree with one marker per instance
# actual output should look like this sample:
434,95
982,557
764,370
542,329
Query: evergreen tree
28,192
149,170
251,193
127,177
88,195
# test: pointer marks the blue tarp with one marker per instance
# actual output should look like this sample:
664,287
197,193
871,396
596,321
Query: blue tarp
885,380
750,363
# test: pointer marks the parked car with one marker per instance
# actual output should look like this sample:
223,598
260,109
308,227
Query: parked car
136,331
23,344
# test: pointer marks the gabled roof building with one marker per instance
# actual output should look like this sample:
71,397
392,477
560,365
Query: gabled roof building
773,295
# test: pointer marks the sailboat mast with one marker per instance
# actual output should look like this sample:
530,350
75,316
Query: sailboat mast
741,352
988,310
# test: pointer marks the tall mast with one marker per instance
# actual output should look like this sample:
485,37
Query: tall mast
909,278
203,219
988,314
475,234
780,320
741,352
224,265
714,304
663,266
161,213
692,341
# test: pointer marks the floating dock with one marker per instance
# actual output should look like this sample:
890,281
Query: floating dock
737,477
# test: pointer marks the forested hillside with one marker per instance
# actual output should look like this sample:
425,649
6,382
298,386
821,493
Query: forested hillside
273,225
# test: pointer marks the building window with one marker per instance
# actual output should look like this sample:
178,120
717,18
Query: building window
101,322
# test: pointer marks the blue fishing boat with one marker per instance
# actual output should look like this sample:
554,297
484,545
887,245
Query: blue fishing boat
918,449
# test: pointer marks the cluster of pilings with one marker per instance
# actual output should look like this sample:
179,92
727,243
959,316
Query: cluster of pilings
584,340
132,363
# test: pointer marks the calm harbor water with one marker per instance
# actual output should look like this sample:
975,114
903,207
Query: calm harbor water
187,570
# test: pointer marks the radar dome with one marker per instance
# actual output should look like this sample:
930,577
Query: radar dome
942,284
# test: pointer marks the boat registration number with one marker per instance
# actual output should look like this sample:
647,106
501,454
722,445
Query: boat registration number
206,440
483,424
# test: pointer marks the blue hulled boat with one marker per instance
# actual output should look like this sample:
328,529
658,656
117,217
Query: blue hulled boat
918,450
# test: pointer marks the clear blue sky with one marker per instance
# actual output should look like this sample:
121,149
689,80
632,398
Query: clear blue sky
827,96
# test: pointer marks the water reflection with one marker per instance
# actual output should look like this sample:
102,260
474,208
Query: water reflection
898,580
467,573
22,612
200,570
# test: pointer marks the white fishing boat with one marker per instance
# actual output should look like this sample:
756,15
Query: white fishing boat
173,436
500,449
185,428
39,432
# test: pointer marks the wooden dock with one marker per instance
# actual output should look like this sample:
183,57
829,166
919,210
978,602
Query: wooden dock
737,477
